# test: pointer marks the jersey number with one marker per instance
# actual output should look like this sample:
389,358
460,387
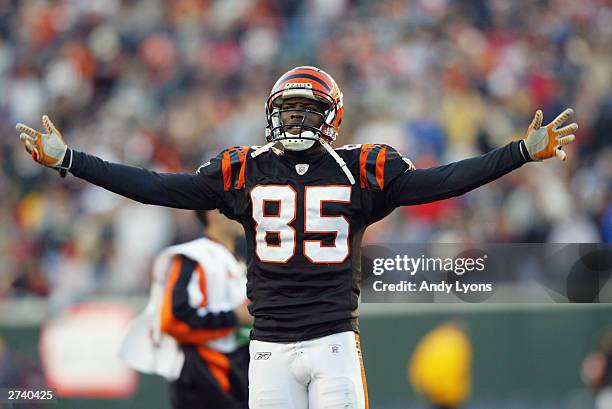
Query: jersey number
277,222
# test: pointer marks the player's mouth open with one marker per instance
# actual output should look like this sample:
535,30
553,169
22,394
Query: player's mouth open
292,127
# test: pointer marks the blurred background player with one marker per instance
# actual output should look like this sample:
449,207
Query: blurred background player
191,330
440,367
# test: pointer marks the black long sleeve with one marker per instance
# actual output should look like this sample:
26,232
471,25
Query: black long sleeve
186,313
179,190
429,185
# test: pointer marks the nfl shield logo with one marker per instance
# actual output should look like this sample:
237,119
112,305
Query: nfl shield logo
301,168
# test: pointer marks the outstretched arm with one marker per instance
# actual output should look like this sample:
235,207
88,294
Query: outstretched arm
428,185
180,190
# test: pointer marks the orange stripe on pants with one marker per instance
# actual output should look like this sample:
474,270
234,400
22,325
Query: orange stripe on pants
363,377
219,366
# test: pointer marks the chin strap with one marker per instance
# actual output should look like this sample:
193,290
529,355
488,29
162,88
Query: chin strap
339,160
262,149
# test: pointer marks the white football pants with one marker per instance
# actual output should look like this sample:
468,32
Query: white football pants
321,373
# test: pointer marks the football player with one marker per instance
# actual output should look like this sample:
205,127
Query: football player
304,207
191,330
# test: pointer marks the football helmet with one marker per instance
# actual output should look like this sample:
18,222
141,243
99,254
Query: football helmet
306,82
311,83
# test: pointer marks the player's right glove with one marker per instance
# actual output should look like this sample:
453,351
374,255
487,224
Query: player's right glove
48,148
546,142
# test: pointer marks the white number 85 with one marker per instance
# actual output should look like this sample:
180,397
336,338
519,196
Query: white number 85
314,222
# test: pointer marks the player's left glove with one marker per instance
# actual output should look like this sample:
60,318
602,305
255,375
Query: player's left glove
49,148
546,142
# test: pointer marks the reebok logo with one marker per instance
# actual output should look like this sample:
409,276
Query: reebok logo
262,356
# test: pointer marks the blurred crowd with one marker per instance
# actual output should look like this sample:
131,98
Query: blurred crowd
168,84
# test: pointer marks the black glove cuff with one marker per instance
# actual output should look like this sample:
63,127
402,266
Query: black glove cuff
524,151
66,163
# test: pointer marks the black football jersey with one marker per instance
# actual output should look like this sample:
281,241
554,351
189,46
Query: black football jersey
304,222
302,218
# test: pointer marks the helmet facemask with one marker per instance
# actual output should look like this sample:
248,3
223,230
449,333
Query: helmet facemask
300,136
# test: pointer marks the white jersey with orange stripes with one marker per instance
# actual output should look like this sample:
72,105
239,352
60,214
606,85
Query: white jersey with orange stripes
217,284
